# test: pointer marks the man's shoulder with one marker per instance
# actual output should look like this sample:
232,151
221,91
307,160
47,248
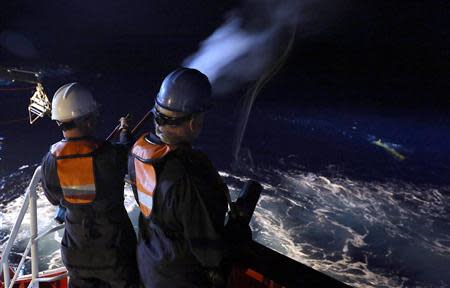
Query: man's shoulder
198,166
198,160
47,158
146,150
80,146
184,163
174,164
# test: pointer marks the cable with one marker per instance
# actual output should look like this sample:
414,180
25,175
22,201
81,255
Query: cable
251,94
17,89
13,121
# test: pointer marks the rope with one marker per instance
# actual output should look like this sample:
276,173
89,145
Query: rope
13,121
251,94
17,89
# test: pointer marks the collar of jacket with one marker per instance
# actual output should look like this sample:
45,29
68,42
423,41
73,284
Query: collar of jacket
149,148
78,138
154,139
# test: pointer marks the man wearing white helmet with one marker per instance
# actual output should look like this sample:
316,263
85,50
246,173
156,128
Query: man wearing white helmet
85,176
180,194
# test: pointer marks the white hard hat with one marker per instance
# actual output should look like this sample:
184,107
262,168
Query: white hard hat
72,101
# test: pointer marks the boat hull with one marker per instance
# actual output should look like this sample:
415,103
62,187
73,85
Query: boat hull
259,267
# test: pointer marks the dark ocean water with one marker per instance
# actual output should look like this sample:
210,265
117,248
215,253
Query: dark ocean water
333,199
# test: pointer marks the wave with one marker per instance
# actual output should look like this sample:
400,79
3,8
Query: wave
1,145
367,234
50,256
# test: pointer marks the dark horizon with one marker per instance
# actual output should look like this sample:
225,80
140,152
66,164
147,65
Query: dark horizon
349,52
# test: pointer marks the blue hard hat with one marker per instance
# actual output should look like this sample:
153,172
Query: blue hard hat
185,90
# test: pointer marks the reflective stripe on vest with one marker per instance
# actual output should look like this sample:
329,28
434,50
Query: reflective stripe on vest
145,185
75,169
146,179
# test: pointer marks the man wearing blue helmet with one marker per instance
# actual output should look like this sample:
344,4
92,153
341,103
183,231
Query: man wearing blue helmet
180,194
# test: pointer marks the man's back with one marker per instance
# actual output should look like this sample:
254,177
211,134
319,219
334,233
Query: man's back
86,177
181,238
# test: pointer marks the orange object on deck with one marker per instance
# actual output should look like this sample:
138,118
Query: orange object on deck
242,277
24,281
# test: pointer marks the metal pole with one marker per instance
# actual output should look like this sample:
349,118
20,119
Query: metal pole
34,227
24,257
6,276
15,229
4,259
13,236
113,133
141,122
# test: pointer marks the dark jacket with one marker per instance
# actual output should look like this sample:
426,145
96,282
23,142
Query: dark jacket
181,233
86,176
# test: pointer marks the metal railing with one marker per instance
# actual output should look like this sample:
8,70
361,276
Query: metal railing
30,201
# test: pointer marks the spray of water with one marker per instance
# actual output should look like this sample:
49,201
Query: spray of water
252,38
250,97
252,45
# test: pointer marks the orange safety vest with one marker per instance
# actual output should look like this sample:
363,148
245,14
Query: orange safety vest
75,169
144,152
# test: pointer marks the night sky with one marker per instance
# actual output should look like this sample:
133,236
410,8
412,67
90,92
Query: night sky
372,53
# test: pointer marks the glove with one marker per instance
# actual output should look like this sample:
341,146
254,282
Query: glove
124,122
216,278
60,215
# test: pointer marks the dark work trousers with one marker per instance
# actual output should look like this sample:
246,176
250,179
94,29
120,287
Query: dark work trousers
104,278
